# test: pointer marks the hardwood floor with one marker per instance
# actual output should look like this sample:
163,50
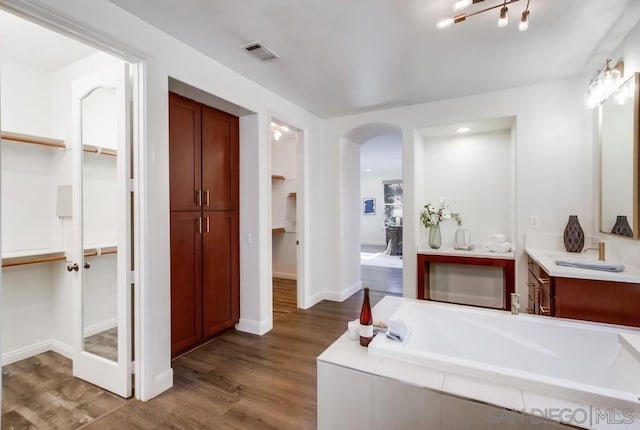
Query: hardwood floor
236,381
241,381
41,393
382,279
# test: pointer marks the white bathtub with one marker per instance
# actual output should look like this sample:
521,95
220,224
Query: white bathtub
577,361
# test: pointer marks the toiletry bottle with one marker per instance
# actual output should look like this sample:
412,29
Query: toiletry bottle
366,321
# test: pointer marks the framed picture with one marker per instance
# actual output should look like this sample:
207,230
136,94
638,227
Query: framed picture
369,206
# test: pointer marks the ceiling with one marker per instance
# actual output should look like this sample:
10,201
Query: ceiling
28,43
382,154
340,57
475,127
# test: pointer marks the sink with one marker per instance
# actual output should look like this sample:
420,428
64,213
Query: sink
574,255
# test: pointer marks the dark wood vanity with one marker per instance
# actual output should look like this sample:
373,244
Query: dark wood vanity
583,299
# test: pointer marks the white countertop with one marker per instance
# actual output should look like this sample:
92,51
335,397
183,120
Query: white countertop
546,259
478,251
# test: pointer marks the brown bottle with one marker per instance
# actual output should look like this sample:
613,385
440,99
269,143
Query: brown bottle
366,321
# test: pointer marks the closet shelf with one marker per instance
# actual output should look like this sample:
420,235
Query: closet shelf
32,256
293,195
35,140
277,178
99,150
277,230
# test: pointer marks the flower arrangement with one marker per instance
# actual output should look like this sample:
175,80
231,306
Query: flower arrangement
433,215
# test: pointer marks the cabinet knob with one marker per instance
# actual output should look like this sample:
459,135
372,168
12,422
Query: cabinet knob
87,265
72,267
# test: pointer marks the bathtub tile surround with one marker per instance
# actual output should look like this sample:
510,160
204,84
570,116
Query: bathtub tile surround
536,376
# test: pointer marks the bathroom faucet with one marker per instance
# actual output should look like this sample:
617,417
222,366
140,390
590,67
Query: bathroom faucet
515,303
600,249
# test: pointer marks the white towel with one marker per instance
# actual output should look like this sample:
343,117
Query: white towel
498,247
590,264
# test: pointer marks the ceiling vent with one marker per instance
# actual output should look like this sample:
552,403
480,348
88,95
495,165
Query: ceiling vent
259,50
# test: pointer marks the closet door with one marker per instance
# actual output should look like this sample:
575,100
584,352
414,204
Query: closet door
221,305
185,151
186,280
101,256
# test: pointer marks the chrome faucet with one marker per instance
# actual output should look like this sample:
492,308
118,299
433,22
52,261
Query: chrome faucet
515,303
600,248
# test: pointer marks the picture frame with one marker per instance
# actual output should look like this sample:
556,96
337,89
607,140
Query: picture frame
369,206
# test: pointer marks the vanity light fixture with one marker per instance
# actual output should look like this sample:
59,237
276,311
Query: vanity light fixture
503,19
604,83
463,130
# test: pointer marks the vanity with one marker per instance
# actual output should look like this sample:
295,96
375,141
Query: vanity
583,294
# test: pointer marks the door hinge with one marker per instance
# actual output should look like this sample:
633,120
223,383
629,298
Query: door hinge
132,277
132,367
131,185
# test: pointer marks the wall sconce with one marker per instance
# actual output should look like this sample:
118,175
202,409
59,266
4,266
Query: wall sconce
503,18
604,83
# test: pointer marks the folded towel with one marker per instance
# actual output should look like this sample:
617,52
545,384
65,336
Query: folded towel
498,247
590,264
498,237
394,330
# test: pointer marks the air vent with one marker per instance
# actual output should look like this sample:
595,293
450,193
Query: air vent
259,50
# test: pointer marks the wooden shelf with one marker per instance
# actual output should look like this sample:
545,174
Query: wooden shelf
278,230
21,258
99,150
35,140
293,195
277,178
95,251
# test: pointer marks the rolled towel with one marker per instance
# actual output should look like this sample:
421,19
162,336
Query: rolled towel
498,247
590,264
394,330
498,238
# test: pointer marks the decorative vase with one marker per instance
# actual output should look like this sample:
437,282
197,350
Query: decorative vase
622,227
573,235
435,239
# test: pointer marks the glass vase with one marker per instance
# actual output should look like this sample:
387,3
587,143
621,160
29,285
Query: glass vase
435,239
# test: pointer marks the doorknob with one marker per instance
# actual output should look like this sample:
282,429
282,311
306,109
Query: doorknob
87,265
72,267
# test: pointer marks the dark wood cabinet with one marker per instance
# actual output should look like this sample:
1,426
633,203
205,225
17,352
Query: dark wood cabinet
583,299
204,178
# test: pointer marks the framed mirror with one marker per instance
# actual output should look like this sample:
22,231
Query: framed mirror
619,153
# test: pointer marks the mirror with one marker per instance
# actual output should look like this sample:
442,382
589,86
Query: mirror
619,154
99,229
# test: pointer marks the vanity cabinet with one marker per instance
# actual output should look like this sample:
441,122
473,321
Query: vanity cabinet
597,300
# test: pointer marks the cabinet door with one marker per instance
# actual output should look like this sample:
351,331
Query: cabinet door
184,154
220,271
186,280
219,159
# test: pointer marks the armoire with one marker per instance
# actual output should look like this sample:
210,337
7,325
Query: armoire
204,204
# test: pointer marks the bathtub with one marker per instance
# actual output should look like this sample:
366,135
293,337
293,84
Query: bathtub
589,364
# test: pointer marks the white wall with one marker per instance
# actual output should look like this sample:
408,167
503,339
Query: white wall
473,173
166,57
553,161
372,229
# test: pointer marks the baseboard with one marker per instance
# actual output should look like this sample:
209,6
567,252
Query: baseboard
341,296
100,327
314,300
161,383
35,349
254,326
62,348
284,275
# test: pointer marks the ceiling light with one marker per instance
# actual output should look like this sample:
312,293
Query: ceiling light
463,130
502,22
284,128
261,51
504,18
604,83
277,135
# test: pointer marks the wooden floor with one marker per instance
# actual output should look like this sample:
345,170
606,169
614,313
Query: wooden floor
237,381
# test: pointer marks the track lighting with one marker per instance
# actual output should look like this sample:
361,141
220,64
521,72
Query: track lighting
503,20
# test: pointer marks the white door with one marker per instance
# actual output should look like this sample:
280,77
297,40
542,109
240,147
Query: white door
100,261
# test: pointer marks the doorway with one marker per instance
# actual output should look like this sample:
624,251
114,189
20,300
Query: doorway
67,221
286,207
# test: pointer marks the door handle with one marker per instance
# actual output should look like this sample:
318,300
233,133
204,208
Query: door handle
198,197
199,224
206,199
87,265
207,223
72,267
